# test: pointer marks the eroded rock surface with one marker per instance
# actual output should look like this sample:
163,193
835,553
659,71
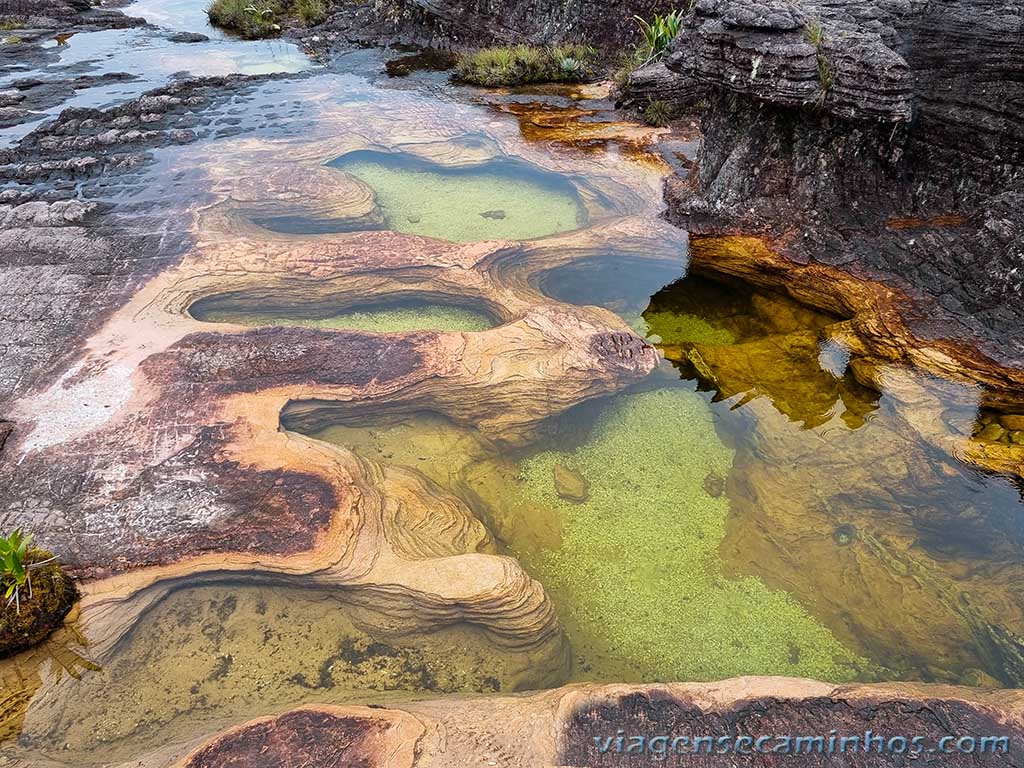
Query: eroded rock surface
868,139
579,726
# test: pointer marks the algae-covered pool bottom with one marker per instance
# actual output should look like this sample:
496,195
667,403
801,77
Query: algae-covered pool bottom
499,199
208,655
620,519
393,317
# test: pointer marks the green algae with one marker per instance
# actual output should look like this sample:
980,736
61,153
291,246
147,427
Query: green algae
637,576
383,320
501,199
684,328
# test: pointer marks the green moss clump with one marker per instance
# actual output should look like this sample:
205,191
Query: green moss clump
311,12
524,64
53,594
638,577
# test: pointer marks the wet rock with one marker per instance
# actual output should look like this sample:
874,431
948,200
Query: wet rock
187,37
1012,421
570,484
714,485
992,432
496,215
570,726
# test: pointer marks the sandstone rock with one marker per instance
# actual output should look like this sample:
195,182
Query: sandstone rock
657,81
568,726
768,51
831,175
570,484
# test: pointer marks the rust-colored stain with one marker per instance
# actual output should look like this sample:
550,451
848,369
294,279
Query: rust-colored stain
941,220
581,128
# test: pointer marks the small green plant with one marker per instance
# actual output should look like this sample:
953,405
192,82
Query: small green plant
14,22
816,36
629,62
658,33
815,32
16,568
657,112
522,64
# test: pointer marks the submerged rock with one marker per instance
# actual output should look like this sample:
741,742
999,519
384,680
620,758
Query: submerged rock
570,484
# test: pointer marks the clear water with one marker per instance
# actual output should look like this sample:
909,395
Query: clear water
152,58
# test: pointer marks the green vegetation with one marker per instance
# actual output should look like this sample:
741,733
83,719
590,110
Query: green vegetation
311,12
13,568
523,64
629,62
255,19
657,112
37,591
816,37
658,33
14,22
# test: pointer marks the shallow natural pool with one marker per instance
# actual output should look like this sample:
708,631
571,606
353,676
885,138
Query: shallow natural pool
500,199
209,653
393,317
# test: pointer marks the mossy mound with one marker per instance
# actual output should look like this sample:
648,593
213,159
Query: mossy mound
256,19
524,64
638,576
53,594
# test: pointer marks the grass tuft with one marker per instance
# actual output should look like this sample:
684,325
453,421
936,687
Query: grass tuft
311,12
657,112
523,64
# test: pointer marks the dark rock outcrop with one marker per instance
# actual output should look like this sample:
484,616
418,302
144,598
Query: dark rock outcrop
883,138
445,23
